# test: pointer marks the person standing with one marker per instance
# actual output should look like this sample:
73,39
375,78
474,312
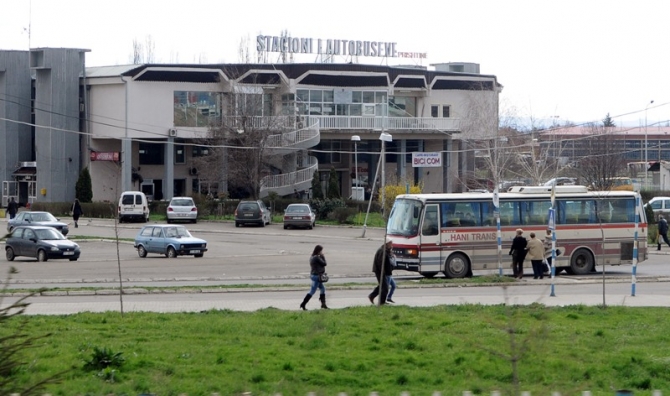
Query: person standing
317,263
662,231
76,212
518,253
12,208
390,280
536,255
381,266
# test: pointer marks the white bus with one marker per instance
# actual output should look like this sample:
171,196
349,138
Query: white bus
457,233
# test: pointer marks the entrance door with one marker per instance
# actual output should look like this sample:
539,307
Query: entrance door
9,190
431,243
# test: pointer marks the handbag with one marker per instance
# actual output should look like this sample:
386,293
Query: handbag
323,278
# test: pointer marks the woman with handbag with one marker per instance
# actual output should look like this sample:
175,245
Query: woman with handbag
317,263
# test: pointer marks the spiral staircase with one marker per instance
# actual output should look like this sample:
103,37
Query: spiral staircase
291,148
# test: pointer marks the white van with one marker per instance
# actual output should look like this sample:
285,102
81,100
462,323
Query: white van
133,205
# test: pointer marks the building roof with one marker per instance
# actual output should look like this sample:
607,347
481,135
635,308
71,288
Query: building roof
109,71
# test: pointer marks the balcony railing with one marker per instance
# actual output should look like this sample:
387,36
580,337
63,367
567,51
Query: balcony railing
287,182
345,122
295,138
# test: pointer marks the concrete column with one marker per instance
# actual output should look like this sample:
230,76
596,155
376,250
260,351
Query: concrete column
126,165
168,183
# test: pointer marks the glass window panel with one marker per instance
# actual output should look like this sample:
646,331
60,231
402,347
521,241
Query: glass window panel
316,95
434,109
342,109
303,95
368,97
179,154
368,110
446,111
314,109
328,109
328,96
357,97
355,110
380,97
336,147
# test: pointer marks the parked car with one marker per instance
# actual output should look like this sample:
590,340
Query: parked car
182,208
40,242
660,206
299,215
133,205
37,219
170,240
561,181
252,212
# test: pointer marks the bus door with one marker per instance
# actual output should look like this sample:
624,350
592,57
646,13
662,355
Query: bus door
430,252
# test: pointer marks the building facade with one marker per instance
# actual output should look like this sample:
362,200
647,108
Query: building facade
146,127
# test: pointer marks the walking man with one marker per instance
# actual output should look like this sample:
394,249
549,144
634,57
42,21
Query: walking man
13,207
662,231
381,267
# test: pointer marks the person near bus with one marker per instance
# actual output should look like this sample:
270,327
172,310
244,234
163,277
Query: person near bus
662,231
13,207
381,266
535,253
317,264
518,253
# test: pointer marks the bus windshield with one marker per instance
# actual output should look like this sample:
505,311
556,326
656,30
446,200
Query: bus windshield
404,217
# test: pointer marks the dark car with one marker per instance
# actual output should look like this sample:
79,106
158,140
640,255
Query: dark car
40,242
170,240
37,219
299,215
252,212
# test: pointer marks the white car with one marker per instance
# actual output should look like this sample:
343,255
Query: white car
660,206
182,208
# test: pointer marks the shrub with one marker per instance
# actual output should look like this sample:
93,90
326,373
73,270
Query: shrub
83,188
342,215
103,358
323,207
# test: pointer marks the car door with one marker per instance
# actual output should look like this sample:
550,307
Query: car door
29,243
156,243
17,241
666,208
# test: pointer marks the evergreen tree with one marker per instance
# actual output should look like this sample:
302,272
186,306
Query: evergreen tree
83,188
608,122
317,192
333,184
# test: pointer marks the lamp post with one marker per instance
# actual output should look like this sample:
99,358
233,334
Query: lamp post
646,148
384,137
356,139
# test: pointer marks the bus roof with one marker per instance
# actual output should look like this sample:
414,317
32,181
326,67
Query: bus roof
530,192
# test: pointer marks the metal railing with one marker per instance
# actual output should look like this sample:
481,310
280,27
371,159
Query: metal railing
289,180
344,122
290,139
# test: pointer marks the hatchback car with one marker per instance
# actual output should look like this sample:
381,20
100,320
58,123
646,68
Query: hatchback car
182,208
40,242
252,212
170,240
37,219
299,215
660,206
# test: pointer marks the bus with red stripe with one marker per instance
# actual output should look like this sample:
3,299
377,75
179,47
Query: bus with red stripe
456,233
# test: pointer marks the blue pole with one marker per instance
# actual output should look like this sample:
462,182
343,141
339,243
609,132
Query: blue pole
499,234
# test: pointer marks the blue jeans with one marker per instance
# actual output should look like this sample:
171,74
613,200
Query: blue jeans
391,282
315,284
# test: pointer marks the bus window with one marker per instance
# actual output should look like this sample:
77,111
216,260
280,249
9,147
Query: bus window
430,223
404,217
535,212
509,213
577,211
461,214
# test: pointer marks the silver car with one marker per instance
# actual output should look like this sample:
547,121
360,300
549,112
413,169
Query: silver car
299,215
182,208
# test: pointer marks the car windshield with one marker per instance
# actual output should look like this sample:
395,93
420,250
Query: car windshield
176,232
49,235
297,209
181,202
42,217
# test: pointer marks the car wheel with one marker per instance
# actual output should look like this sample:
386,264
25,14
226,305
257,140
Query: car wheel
428,275
198,255
195,221
171,253
285,227
169,221
73,259
9,253
42,255
141,251
237,224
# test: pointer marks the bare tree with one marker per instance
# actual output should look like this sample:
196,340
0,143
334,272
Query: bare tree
605,159
144,53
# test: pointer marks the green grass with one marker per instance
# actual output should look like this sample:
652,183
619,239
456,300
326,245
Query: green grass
356,350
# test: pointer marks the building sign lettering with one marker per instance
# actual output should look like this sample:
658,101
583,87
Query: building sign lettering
307,45
426,160
105,156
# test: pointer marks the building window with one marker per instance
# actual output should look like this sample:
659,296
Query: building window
179,154
328,152
199,151
434,110
152,154
196,109
446,111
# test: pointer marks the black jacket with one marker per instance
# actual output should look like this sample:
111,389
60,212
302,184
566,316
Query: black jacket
377,264
518,248
317,264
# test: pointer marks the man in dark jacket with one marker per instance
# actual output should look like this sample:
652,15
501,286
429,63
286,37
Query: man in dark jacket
382,267
12,208
518,253
662,231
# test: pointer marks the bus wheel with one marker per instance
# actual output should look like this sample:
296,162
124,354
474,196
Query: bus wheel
581,262
428,274
457,266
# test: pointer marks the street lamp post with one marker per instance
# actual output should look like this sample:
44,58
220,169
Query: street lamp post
646,149
356,139
384,137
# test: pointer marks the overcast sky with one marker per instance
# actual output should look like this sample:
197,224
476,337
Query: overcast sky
573,60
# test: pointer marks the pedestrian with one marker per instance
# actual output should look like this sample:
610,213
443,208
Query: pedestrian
12,208
662,231
391,281
76,212
382,266
518,253
535,253
317,264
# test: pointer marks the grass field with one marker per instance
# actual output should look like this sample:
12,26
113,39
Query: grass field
357,350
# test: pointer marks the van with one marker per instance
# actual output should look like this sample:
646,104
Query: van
133,205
